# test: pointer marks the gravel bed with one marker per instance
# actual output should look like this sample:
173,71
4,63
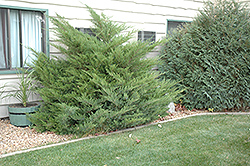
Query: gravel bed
14,138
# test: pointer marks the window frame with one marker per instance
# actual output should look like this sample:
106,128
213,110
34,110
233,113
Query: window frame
172,20
44,26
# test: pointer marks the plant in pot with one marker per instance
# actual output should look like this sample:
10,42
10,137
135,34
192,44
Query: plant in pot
21,91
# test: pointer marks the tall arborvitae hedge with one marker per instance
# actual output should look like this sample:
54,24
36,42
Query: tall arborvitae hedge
211,57
103,83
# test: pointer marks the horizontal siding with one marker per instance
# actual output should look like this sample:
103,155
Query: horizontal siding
147,15
134,12
247,2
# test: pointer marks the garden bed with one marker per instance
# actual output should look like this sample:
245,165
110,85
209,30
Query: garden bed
14,138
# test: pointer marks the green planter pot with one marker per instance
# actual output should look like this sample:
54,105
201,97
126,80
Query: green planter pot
17,114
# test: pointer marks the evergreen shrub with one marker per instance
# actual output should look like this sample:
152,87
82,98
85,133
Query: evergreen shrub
103,83
210,57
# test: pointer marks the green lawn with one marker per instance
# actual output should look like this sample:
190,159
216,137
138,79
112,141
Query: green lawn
200,140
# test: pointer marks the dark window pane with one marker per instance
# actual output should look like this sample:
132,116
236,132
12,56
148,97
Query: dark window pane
3,40
146,35
87,31
175,24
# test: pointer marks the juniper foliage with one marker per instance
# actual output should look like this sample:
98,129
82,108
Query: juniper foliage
211,57
103,83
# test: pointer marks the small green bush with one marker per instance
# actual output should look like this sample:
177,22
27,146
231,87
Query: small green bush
103,83
211,57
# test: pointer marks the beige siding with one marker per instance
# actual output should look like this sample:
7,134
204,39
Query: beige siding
147,15
247,2
143,15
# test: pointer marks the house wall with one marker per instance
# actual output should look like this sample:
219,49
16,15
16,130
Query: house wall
147,15
246,1
144,15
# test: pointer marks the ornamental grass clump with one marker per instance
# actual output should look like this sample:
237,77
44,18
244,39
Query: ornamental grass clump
210,57
23,88
103,83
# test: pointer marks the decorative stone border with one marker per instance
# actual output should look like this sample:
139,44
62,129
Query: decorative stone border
121,131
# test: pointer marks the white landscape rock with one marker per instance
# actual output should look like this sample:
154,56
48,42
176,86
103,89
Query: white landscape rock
171,107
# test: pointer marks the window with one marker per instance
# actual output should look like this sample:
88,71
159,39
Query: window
20,29
173,24
146,35
86,30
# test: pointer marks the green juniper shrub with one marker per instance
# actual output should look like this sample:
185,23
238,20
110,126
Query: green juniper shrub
103,83
210,57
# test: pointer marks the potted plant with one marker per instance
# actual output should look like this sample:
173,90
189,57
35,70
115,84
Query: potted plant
22,91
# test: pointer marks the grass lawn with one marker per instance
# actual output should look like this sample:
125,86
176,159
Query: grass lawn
200,140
